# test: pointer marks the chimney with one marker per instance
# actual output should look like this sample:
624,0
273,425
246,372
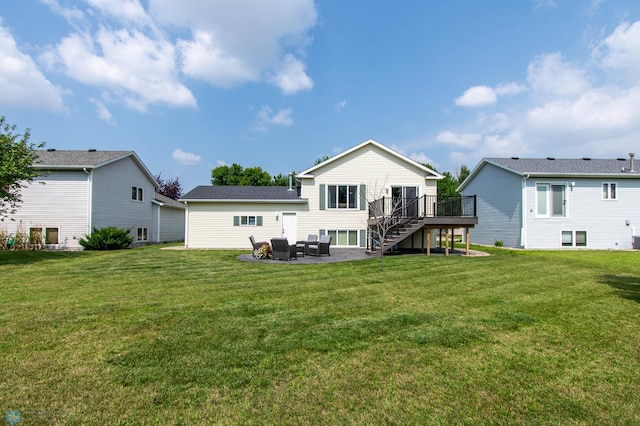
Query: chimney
632,162
290,182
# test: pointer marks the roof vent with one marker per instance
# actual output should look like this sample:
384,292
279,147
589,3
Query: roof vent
92,150
51,149
515,158
632,162
550,158
621,159
586,158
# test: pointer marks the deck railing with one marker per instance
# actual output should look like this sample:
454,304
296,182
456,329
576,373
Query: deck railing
425,206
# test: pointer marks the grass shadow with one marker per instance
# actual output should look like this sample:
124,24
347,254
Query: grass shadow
29,257
626,286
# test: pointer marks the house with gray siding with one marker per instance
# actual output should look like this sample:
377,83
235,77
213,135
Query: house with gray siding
552,203
331,198
81,190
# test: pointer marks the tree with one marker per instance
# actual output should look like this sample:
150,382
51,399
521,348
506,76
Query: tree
236,175
447,186
17,159
169,188
462,174
283,180
320,160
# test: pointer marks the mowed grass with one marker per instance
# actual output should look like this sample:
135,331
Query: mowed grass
151,336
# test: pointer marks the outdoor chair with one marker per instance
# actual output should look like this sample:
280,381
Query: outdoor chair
303,246
256,245
281,249
320,247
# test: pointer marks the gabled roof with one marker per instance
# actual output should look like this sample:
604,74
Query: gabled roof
89,159
429,174
559,167
223,193
163,200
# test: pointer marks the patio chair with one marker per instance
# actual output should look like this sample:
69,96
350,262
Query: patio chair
303,246
281,249
256,245
321,247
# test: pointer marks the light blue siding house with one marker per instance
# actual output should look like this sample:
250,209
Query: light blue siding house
548,203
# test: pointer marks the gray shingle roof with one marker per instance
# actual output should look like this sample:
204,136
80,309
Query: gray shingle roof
78,159
168,201
265,193
563,166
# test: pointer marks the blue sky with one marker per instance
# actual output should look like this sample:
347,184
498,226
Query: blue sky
193,84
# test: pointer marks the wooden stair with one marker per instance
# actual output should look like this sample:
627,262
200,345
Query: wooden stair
402,233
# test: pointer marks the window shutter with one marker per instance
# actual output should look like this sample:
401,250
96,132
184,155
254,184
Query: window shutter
323,197
236,221
363,237
363,198
258,220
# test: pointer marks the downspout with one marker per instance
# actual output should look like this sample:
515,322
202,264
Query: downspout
523,230
89,199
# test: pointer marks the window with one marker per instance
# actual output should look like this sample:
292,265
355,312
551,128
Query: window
143,234
136,193
51,236
342,196
550,200
247,221
609,191
343,237
574,239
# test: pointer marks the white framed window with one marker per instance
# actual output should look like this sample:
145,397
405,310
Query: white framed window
574,238
137,193
143,234
247,220
343,237
550,200
609,191
342,197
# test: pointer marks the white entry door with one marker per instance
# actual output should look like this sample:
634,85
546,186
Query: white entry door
290,227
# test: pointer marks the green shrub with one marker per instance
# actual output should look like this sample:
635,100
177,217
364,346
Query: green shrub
498,243
109,238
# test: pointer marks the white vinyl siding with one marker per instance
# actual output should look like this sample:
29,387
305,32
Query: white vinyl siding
211,225
58,200
368,168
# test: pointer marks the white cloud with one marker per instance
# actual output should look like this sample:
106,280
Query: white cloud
291,77
544,4
242,41
341,105
510,89
185,158
138,69
477,96
419,157
221,163
462,140
266,117
549,75
22,84
621,50
71,15
102,112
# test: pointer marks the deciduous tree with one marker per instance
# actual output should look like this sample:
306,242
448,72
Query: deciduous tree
169,188
17,159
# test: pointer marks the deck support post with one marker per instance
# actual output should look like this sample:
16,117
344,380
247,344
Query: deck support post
446,241
467,235
428,241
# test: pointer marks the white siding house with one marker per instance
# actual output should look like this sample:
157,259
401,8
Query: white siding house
549,203
81,190
332,198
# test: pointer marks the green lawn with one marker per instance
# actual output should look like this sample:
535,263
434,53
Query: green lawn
151,336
